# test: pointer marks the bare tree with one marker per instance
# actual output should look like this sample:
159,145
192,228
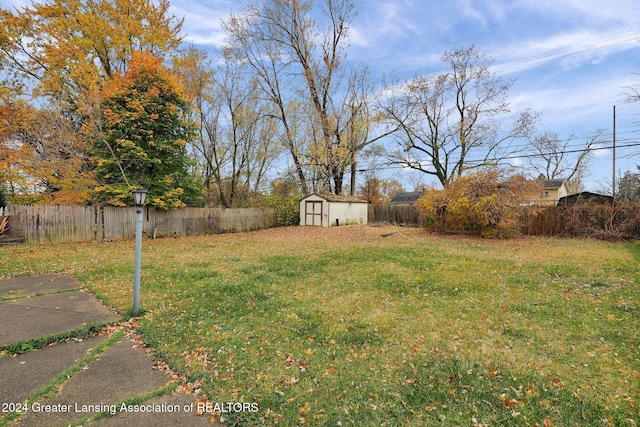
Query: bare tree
252,44
241,137
557,158
300,66
236,142
632,92
197,76
453,122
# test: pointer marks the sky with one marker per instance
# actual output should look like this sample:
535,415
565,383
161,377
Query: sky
571,60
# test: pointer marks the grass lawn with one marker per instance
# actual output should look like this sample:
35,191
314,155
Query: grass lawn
382,325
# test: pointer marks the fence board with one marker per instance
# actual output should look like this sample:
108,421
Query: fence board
56,224
394,214
579,220
542,222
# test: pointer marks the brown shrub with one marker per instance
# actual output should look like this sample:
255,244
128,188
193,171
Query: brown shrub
481,203
605,222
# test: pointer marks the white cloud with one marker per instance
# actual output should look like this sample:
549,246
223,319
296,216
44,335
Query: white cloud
563,50
469,9
516,162
585,11
599,150
384,22
202,20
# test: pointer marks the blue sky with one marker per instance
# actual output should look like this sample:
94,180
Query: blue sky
571,59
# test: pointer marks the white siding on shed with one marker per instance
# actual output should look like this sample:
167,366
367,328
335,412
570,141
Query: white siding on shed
331,210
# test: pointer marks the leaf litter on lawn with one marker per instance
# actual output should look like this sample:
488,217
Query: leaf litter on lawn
386,308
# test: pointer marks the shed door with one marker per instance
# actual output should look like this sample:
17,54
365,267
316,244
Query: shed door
313,212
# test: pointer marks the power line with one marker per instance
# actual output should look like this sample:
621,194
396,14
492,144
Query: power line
539,60
397,165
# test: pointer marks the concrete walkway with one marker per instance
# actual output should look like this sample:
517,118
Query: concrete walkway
103,371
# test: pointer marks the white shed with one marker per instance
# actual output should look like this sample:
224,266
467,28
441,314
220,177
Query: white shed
328,210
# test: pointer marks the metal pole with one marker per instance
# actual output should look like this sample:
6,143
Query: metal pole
136,273
613,182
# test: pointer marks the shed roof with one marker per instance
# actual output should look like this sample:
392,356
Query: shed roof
586,196
338,198
408,197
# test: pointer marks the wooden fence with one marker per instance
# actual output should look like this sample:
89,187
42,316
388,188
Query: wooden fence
394,214
601,221
543,222
595,220
56,224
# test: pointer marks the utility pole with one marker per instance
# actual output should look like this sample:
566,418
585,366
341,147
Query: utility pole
352,136
353,177
613,183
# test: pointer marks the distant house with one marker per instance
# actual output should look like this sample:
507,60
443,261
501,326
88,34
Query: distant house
552,191
585,197
407,199
328,210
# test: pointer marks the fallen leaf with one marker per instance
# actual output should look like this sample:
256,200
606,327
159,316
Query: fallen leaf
304,409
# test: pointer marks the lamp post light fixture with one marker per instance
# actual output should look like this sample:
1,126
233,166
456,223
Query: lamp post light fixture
139,196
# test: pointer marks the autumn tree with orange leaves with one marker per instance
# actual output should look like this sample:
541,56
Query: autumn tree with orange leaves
55,56
65,49
142,138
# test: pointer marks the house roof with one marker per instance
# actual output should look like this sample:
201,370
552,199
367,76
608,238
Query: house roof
554,183
338,198
409,197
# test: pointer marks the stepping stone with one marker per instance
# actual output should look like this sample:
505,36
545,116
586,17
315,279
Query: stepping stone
22,375
27,285
33,317
178,412
119,373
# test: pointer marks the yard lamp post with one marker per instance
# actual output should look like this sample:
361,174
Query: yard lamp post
139,195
